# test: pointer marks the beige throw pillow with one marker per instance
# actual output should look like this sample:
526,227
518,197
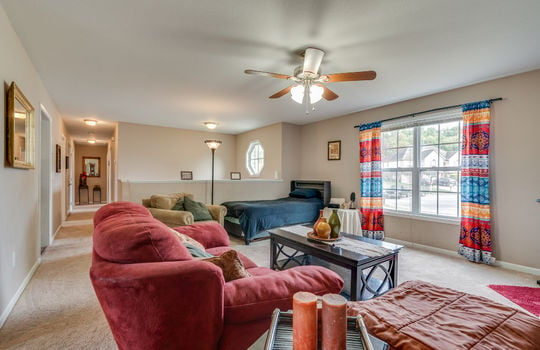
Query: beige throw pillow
167,201
185,238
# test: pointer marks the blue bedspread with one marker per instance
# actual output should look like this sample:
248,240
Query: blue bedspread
256,216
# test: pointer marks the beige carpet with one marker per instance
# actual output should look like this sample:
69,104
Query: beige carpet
59,310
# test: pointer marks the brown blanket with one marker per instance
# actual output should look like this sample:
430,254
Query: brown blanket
419,315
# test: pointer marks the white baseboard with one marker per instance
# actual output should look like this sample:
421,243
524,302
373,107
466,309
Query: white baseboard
56,232
77,223
498,263
18,294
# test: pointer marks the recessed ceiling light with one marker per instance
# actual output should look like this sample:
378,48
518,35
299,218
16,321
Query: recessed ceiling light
19,115
90,122
210,125
91,141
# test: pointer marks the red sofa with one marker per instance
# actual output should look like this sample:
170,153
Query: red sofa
156,296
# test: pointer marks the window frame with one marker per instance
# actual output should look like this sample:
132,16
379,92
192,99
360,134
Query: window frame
417,169
252,145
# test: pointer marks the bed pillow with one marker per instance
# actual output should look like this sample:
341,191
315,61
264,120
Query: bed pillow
305,193
199,210
230,264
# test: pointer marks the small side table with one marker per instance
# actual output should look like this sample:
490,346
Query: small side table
349,218
84,187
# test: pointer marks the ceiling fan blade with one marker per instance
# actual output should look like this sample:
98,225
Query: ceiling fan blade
328,94
281,92
267,74
352,76
312,60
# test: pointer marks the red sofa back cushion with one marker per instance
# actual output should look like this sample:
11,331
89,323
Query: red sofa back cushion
126,234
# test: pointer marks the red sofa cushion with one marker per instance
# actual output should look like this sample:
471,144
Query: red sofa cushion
120,209
135,238
209,233
275,290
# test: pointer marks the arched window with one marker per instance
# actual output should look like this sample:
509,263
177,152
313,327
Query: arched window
255,158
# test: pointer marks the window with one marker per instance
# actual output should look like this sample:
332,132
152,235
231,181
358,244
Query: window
421,165
255,158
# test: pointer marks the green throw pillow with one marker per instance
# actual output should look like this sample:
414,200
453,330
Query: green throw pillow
197,252
198,209
179,204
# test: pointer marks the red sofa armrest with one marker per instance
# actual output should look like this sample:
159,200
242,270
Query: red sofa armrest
209,233
164,305
254,298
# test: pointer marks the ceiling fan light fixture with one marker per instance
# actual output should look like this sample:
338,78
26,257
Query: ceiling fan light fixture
315,93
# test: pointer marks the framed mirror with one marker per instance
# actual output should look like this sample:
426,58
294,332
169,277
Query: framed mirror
92,166
19,130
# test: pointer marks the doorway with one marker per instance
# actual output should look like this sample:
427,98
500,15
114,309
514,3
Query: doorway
45,195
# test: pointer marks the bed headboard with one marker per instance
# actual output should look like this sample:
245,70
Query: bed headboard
322,186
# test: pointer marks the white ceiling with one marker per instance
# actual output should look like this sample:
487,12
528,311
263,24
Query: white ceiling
179,63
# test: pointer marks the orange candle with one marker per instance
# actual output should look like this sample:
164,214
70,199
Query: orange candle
334,322
304,321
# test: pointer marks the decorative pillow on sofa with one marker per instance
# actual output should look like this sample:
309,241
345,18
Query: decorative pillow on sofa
167,201
231,265
305,193
197,252
186,239
179,205
199,210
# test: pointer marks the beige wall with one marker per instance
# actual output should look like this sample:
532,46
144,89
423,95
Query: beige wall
515,164
19,202
91,151
271,139
159,153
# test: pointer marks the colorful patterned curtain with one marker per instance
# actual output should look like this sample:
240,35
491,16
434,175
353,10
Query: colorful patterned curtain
475,235
371,208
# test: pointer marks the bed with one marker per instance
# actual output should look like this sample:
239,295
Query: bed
418,315
252,219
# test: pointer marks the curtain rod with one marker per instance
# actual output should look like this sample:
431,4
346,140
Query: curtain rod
429,110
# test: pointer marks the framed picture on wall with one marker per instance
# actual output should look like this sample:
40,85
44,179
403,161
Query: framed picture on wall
58,158
236,175
334,150
186,175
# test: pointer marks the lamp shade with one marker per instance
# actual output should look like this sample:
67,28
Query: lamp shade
213,144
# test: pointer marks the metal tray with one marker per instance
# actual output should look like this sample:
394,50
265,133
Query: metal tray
280,334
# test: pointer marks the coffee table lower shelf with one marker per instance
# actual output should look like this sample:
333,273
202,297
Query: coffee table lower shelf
280,334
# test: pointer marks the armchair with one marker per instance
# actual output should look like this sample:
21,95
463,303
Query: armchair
156,296
160,206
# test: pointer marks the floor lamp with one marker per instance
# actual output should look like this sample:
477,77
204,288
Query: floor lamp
213,145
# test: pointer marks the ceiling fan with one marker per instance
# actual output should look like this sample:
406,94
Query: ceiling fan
308,85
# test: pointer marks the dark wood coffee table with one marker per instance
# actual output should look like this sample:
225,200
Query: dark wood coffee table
363,268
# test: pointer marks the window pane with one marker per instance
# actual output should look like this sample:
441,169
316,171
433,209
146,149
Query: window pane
450,155
404,201
404,180
389,203
429,156
389,158
405,137
448,181
428,180
389,180
429,134
405,157
389,139
448,204
428,203
450,132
